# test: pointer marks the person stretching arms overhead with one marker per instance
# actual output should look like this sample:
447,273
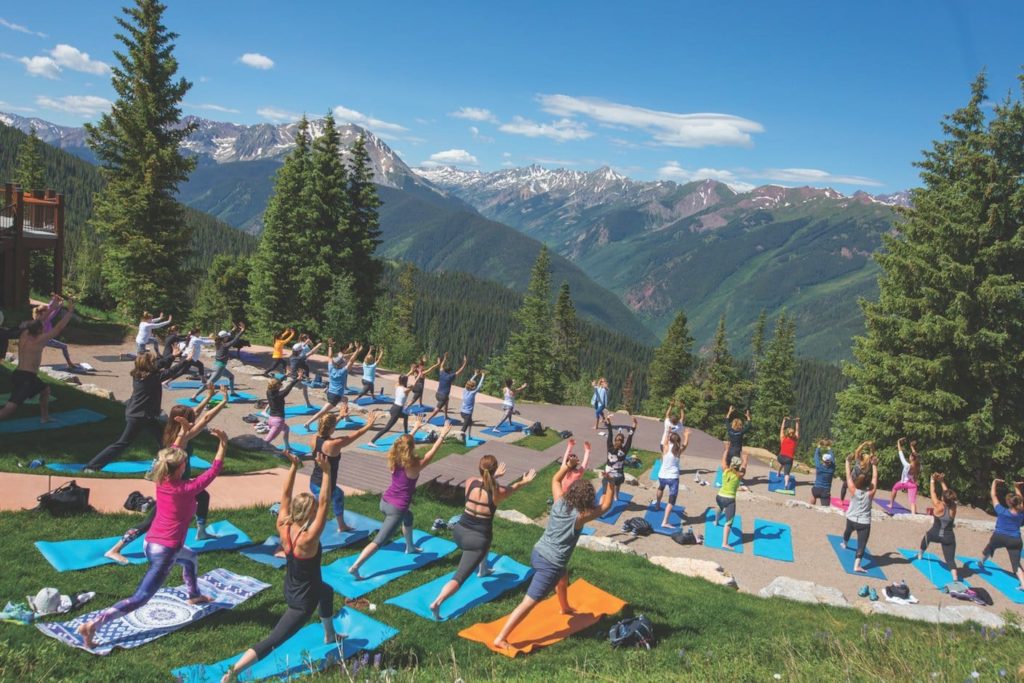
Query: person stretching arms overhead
445,378
145,336
331,449
1009,520
281,340
222,347
943,521
469,393
668,477
576,469
370,363
25,380
908,479
508,403
858,514
338,368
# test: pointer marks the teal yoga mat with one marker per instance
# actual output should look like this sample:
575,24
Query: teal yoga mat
350,422
713,532
773,540
332,539
675,518
123,466
933,568
506,575
384,443
386,565
776,481
70,418
656,469
846,558
77,554
240,397
618,506
997,577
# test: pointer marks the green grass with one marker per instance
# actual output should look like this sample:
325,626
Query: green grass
706,632
79,444
540,443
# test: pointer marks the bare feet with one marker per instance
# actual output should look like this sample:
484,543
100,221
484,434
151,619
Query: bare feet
842,545
666,525
436,611
200,600
569,611
344,528
229,677
725,545
413,550
860,570
87,631
355,573
116,557
501,643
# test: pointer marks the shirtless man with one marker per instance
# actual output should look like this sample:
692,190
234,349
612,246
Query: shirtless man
25,380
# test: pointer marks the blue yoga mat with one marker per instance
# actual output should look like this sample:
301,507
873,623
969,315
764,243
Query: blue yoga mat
332,539
505,429
386,565
438,421
241,397
350,422
303,652
773,540
475,591
473,442
656,469
73,555
379,399
196,384
713,532
123,466
933,568
675,518
69,418
895,509
384,443
775,482
718,478
847,556
419,410
588,530
618,506
997,577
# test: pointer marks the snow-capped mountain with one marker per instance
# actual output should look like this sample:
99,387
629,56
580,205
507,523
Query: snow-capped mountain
58,136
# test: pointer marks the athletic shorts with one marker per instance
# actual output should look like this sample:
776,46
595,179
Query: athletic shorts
824,495
786,463
545,576
617,478
672,484
334,399
440,401
25,385
367,386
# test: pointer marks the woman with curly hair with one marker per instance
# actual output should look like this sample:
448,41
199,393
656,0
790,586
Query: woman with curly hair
550,558
395,502
944,519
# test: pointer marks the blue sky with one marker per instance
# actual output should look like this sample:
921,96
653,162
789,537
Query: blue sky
840,94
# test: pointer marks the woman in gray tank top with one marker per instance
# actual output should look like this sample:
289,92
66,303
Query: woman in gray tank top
550,559
944,512
858,515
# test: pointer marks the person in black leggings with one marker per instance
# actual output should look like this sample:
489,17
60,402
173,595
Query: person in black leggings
420,372
143,407
1009,519
944,513
300,522
397,410
474,532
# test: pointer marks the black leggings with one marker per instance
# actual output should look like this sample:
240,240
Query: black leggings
863,534
281,363
132,428
1012,544
368,390
467,423
292,620
396,412
508,416
474,542
948,547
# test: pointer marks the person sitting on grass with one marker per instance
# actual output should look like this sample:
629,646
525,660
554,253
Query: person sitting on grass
396,501
165,541
943,520
576,468
1009,520
732,475
668,476
908,478
550,559
474,530
300,523
858,514
788,438
824,473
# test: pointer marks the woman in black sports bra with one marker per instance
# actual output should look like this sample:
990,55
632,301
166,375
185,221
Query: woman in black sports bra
474,531
300,522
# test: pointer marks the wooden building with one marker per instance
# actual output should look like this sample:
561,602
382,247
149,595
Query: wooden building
29,221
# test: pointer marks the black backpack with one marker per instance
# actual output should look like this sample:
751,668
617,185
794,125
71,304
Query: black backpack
536,429
136,502
67,499
635,632
638,526
686,537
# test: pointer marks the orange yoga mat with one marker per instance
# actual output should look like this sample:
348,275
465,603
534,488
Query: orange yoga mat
546,625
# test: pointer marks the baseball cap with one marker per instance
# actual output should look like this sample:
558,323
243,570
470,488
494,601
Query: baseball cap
828,457
223,333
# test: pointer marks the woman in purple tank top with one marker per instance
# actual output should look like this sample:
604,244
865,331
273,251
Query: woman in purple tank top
395,502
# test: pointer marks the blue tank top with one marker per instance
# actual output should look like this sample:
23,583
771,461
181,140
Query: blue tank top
337,379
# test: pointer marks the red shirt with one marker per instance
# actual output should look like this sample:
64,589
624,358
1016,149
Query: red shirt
788,447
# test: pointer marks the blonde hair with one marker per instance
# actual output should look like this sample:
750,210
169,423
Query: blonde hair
301,511
737,424
326,425
402,453
471,385
168,461
488,466
274,384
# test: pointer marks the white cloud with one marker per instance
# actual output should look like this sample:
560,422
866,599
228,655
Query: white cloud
673,171
475,114
70,57
277,115
8,106
666,128
257,61
19,28
211,107
477,135
83,105
358,118
41,66
452,157
815,176
559,131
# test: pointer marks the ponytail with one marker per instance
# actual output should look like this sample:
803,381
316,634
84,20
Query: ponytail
168,460
488,466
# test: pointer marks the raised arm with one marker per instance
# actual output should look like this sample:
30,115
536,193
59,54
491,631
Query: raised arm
606,503
817,456
556,482
291,385
61,324
465,361
504,492
354,436
571,444
586,455
782,429
995,498
797,420
284,508
154,325
323,505
686,438
207,417
931,489
874,479
849,477
203,480
629,437
682,412
521,387
436,447
668,411
289,335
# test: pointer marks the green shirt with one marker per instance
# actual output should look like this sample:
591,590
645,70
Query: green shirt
730,484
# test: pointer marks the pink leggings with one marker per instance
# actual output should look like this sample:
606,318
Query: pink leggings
908,486
277,426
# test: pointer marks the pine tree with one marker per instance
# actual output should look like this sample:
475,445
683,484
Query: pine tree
528,356
566,342
757,343
673,361
628,394
30,174
393,326
223,297
775,392
363,227
341,322
144,238
722,385
941,355
273,287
